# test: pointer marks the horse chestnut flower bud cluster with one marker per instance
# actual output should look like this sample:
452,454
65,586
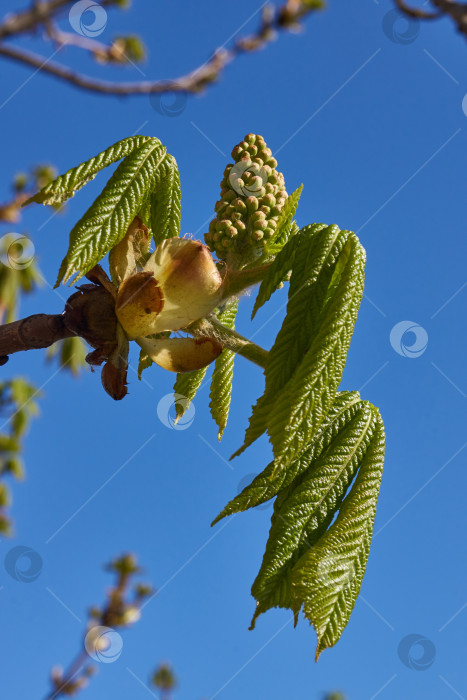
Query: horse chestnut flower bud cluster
251,200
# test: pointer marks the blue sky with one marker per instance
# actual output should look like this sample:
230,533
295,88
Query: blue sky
373,125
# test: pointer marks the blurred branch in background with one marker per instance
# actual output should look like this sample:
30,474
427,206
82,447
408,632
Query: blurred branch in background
457,11
23,186
17,407
125,50
19,271
20,274
101,642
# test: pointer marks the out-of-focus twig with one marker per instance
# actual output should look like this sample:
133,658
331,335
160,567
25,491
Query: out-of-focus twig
274,19
457,11
100,641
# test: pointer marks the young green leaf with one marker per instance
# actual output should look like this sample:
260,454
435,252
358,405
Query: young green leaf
311,390
187,385
307,359
165,202
279,269
327,578
304,515
222,376
65,186
267,484
107,220
284,225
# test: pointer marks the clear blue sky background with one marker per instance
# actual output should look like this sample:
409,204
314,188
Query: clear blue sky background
376,132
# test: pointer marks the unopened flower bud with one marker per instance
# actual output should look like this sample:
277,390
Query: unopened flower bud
249,185
180,283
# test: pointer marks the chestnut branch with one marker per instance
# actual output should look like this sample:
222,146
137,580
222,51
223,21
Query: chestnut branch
32,333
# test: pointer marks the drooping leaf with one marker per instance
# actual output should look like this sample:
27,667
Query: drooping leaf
307,359
222,376
312,388
327,578
165,203
267,485
308,509
64,186
187,385
107,220
282,264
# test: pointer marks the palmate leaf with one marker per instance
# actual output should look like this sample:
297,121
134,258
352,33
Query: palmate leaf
107,220
327,578
281,265
222,376
64,186
303,515
312,388
165,203
267,484
306,362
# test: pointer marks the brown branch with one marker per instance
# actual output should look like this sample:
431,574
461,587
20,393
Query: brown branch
415,12
37,14
190,83
89,313
287,16
446,8
456,10
32,333
61,38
